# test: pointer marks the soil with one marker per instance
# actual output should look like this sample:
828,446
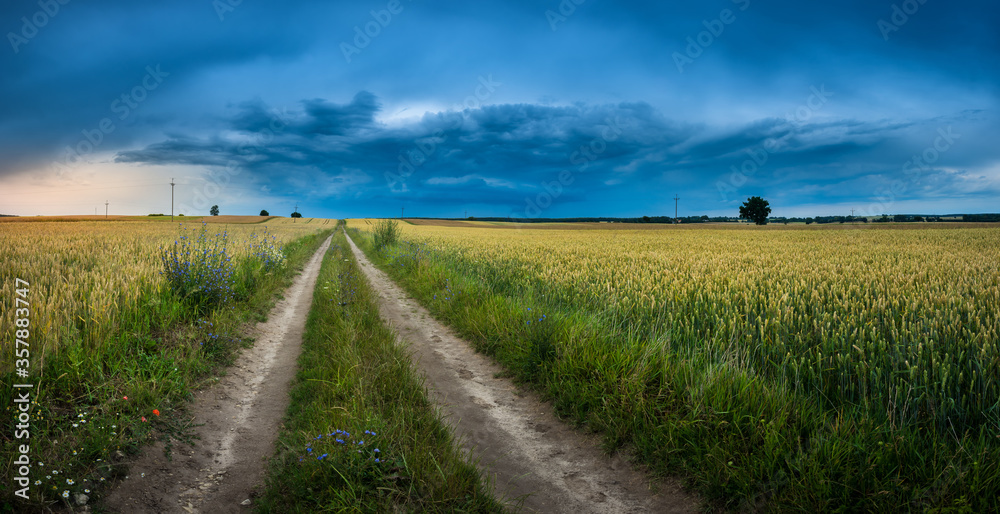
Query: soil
536,461
239,418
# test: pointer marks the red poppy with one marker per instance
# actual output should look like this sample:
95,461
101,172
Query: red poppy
156,411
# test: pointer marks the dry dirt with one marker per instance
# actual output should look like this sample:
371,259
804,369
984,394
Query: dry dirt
239,417
531,456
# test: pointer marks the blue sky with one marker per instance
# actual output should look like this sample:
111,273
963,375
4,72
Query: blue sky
524,109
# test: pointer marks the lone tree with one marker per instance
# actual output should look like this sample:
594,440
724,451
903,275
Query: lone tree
214,211
755,209
264,212
296,215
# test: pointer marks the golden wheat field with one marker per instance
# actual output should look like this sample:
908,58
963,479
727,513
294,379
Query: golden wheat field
908,319
82,272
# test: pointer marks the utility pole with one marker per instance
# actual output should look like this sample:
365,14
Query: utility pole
401,211
106,209
296,210
171,200
675,207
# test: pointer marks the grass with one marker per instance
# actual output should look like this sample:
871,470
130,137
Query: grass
710,408
97,399
360,434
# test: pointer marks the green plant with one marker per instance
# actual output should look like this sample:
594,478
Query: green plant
199,269
386,233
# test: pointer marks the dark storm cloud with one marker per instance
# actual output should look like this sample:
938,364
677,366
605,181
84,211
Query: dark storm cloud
595,91
502,154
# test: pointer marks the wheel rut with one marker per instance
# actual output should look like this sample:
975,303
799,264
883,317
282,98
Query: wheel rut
536,461
236,422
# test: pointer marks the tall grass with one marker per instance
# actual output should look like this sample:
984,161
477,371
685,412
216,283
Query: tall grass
361,435
780,370
385,233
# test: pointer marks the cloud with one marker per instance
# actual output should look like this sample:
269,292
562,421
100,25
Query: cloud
265,90
501,154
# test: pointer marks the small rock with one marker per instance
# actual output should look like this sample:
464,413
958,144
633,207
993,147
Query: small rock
245,502
80,499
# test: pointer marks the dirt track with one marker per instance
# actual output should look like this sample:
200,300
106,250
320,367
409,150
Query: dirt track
532,456
536,461
241,415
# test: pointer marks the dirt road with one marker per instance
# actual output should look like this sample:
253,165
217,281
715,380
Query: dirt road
240,417
532,456
536,461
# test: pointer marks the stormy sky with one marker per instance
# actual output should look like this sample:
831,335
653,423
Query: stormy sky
514,108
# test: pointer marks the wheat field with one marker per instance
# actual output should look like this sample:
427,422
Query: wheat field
817,366
82,273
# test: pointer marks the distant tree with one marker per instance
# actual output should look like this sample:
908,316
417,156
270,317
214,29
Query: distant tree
704,218
755,209
645,219
918,218
809,221
264,213
296,215
214,211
